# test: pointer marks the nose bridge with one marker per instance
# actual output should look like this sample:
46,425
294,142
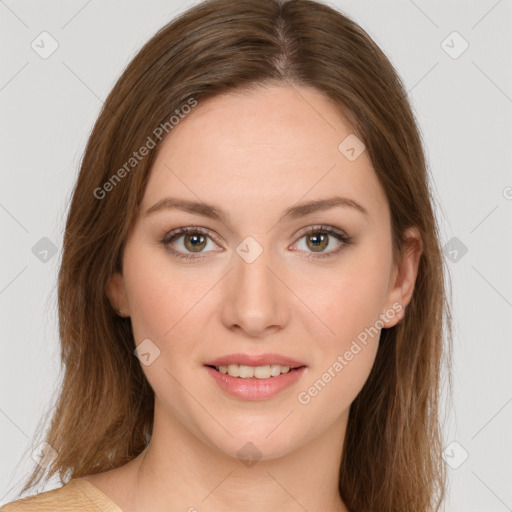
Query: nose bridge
256,299
252,271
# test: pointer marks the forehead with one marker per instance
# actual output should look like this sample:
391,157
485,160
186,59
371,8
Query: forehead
273,145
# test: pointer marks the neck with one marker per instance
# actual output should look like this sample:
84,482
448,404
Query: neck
178,471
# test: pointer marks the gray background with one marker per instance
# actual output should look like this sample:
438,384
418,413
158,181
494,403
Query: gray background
464,107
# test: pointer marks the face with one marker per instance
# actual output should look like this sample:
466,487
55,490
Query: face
253,277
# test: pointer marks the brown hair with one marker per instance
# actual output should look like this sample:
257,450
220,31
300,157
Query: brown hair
103,416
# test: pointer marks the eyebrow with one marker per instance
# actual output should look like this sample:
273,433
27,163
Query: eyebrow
293,212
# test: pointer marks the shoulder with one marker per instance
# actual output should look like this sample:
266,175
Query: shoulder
78,495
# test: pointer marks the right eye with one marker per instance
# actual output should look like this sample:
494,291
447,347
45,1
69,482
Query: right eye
194,240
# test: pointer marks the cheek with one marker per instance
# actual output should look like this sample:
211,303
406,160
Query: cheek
349,348
346,352
332,387
169,305
350,305
349,299
166,303
160,294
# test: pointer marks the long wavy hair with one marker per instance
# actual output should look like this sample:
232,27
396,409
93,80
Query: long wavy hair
103,415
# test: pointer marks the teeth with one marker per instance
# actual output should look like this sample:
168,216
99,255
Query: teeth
260,372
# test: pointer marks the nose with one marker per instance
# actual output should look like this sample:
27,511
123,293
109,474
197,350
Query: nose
255,296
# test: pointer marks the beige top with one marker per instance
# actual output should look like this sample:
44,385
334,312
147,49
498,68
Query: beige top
78,495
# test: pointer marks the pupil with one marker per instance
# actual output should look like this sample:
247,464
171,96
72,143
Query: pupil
195,241
318,241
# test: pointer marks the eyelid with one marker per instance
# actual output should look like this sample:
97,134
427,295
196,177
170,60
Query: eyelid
174,234
321,227
183,230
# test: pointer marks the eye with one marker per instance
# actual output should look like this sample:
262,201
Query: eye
320,238
195,240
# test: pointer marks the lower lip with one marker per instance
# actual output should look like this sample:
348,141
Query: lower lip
254,388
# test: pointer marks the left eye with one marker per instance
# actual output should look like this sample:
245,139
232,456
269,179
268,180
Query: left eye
321,241
318,239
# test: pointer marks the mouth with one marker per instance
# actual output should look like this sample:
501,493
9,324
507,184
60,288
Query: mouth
240,371
254,383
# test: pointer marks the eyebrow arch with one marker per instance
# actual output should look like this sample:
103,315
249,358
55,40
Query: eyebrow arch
293,212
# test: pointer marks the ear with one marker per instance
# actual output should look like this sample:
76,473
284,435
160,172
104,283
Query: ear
403,278
116,293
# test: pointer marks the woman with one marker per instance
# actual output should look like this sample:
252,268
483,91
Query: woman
251,294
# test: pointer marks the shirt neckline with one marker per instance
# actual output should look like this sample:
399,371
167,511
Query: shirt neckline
94,494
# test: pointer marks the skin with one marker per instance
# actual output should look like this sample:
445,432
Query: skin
254,154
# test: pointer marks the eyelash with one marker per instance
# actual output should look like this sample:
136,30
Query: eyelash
174,235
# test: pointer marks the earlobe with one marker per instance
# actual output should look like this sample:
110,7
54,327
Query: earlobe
116,293
404,276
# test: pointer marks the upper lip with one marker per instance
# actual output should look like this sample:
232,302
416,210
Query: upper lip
255,360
